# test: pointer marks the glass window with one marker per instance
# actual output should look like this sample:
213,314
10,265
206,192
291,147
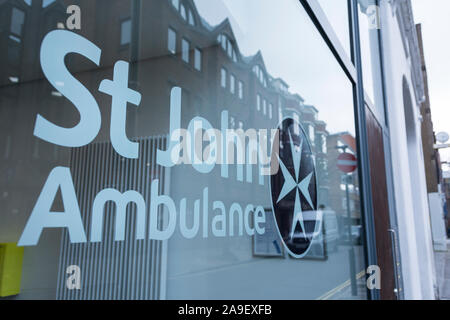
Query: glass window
223,78
153,223
175,3
172,41
125,32
185,50
198,59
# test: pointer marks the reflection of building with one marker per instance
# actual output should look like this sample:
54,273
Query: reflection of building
432,163
182,50
169,44
431,156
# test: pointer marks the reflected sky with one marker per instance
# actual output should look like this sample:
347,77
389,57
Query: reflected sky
292,50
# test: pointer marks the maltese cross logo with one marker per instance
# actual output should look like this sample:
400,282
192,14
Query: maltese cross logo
293,188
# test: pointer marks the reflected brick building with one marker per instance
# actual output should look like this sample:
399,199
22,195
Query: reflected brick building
182,50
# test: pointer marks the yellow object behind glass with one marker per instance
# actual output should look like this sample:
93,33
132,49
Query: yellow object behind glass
11,258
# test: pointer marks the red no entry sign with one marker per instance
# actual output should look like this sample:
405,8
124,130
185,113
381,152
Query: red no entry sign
347,163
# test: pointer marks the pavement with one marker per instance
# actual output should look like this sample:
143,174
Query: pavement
442,263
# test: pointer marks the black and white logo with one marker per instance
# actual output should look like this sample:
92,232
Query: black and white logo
294,189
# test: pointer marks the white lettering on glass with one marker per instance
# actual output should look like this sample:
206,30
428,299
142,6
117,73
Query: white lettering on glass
222,146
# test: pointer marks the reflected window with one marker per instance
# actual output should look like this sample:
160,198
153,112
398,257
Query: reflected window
125,32
223,78
323,141
241,90
191,18
185,50
172,41
270,111
17,21
227,46
198,59
280,114
183,12
258,102
312,135
223,42
257,70
232,84
297,119
341,146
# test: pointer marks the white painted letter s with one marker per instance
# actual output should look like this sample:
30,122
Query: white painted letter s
55,46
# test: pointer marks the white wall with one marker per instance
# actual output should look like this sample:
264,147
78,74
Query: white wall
408,167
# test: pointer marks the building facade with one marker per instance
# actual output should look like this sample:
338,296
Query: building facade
433,167
189,149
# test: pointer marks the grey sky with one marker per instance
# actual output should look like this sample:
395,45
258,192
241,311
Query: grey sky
433,15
